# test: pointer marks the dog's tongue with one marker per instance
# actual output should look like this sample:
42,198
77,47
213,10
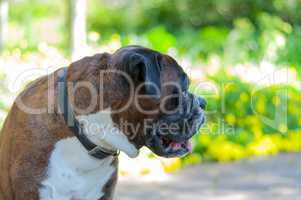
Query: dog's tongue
177,146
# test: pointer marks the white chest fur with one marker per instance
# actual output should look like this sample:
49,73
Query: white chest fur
73,174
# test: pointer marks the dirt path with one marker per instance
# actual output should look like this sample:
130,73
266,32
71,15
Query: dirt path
271,178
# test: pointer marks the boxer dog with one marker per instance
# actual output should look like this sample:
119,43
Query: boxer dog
61,138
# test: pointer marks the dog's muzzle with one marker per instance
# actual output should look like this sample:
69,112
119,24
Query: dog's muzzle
170,135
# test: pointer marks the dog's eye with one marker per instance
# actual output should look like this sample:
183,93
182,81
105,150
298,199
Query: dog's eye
175,99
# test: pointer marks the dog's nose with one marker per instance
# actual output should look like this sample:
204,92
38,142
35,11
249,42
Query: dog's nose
202,103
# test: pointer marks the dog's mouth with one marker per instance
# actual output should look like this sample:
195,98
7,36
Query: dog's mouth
171,135
172,144
174,147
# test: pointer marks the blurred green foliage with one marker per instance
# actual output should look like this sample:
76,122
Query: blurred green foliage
34,21
244,28
290,54
176,15
240,130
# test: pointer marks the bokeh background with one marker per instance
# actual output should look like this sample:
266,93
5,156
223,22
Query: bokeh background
243,56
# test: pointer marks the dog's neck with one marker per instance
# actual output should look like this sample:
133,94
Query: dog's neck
100,129
98,125
88,85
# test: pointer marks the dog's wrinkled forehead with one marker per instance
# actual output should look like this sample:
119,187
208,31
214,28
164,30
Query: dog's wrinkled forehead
173,75
159,69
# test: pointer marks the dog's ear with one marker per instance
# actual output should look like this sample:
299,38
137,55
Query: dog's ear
145,69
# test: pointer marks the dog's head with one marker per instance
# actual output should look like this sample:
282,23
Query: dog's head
147,95
150,101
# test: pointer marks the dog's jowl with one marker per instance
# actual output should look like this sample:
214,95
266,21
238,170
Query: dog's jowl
63,134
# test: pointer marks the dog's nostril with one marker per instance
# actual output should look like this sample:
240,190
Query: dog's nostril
202,103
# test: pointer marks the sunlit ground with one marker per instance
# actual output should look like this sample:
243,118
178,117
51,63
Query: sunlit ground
276,177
